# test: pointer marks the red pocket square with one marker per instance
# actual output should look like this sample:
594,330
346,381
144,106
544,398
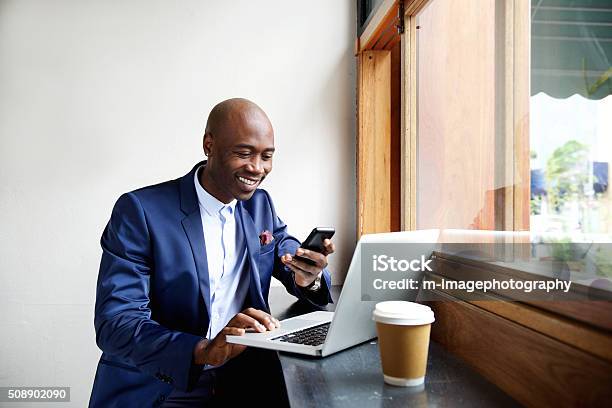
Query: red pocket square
265,238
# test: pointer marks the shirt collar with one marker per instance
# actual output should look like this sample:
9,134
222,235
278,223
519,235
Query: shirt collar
207,201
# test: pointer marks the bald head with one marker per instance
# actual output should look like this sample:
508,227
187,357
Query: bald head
239,143
235,112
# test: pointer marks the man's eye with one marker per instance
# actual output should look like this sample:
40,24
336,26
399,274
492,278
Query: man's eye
243,155
267,157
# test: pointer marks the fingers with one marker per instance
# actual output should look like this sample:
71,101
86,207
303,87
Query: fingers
305,273
243,321
330,248
301,277
306,267
219,350
262,317
319,259
229,331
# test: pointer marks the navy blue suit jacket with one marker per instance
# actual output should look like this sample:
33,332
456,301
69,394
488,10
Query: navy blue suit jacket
152,300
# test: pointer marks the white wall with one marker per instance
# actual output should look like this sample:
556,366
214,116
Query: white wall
101,97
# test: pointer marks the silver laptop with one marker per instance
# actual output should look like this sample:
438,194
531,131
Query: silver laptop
324,333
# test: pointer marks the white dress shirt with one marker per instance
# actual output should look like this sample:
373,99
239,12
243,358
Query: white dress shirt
227,258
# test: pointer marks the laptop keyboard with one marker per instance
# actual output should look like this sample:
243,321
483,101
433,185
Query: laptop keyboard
312,336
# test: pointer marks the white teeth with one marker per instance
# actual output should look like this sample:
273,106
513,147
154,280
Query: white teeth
246,181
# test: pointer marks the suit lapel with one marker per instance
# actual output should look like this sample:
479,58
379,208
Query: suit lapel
192,224
253,246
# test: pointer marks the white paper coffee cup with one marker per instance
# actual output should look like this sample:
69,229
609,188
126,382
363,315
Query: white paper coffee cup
403,340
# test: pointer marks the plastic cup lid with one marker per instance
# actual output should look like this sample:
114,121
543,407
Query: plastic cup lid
403,313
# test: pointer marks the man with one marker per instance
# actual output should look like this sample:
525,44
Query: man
189,261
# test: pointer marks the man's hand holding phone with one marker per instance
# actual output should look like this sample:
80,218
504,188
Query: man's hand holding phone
310,259
217,351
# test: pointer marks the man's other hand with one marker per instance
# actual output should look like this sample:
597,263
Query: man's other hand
305,273
218,351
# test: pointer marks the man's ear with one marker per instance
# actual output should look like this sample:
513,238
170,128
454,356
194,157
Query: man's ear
208,143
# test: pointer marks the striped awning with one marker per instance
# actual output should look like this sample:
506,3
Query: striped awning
571,48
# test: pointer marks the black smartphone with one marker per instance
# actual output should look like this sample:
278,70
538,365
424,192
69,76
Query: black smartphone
314,242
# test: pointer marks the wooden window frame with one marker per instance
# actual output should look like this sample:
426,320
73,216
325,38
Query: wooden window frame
379,116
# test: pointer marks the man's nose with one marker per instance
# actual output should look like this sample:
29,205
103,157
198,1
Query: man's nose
256,166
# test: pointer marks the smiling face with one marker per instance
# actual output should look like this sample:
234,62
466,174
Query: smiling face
239,143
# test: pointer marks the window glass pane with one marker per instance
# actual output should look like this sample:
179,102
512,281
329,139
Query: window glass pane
514,128
571,117
365,9
456,109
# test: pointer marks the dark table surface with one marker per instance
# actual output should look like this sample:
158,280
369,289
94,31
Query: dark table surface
353,377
